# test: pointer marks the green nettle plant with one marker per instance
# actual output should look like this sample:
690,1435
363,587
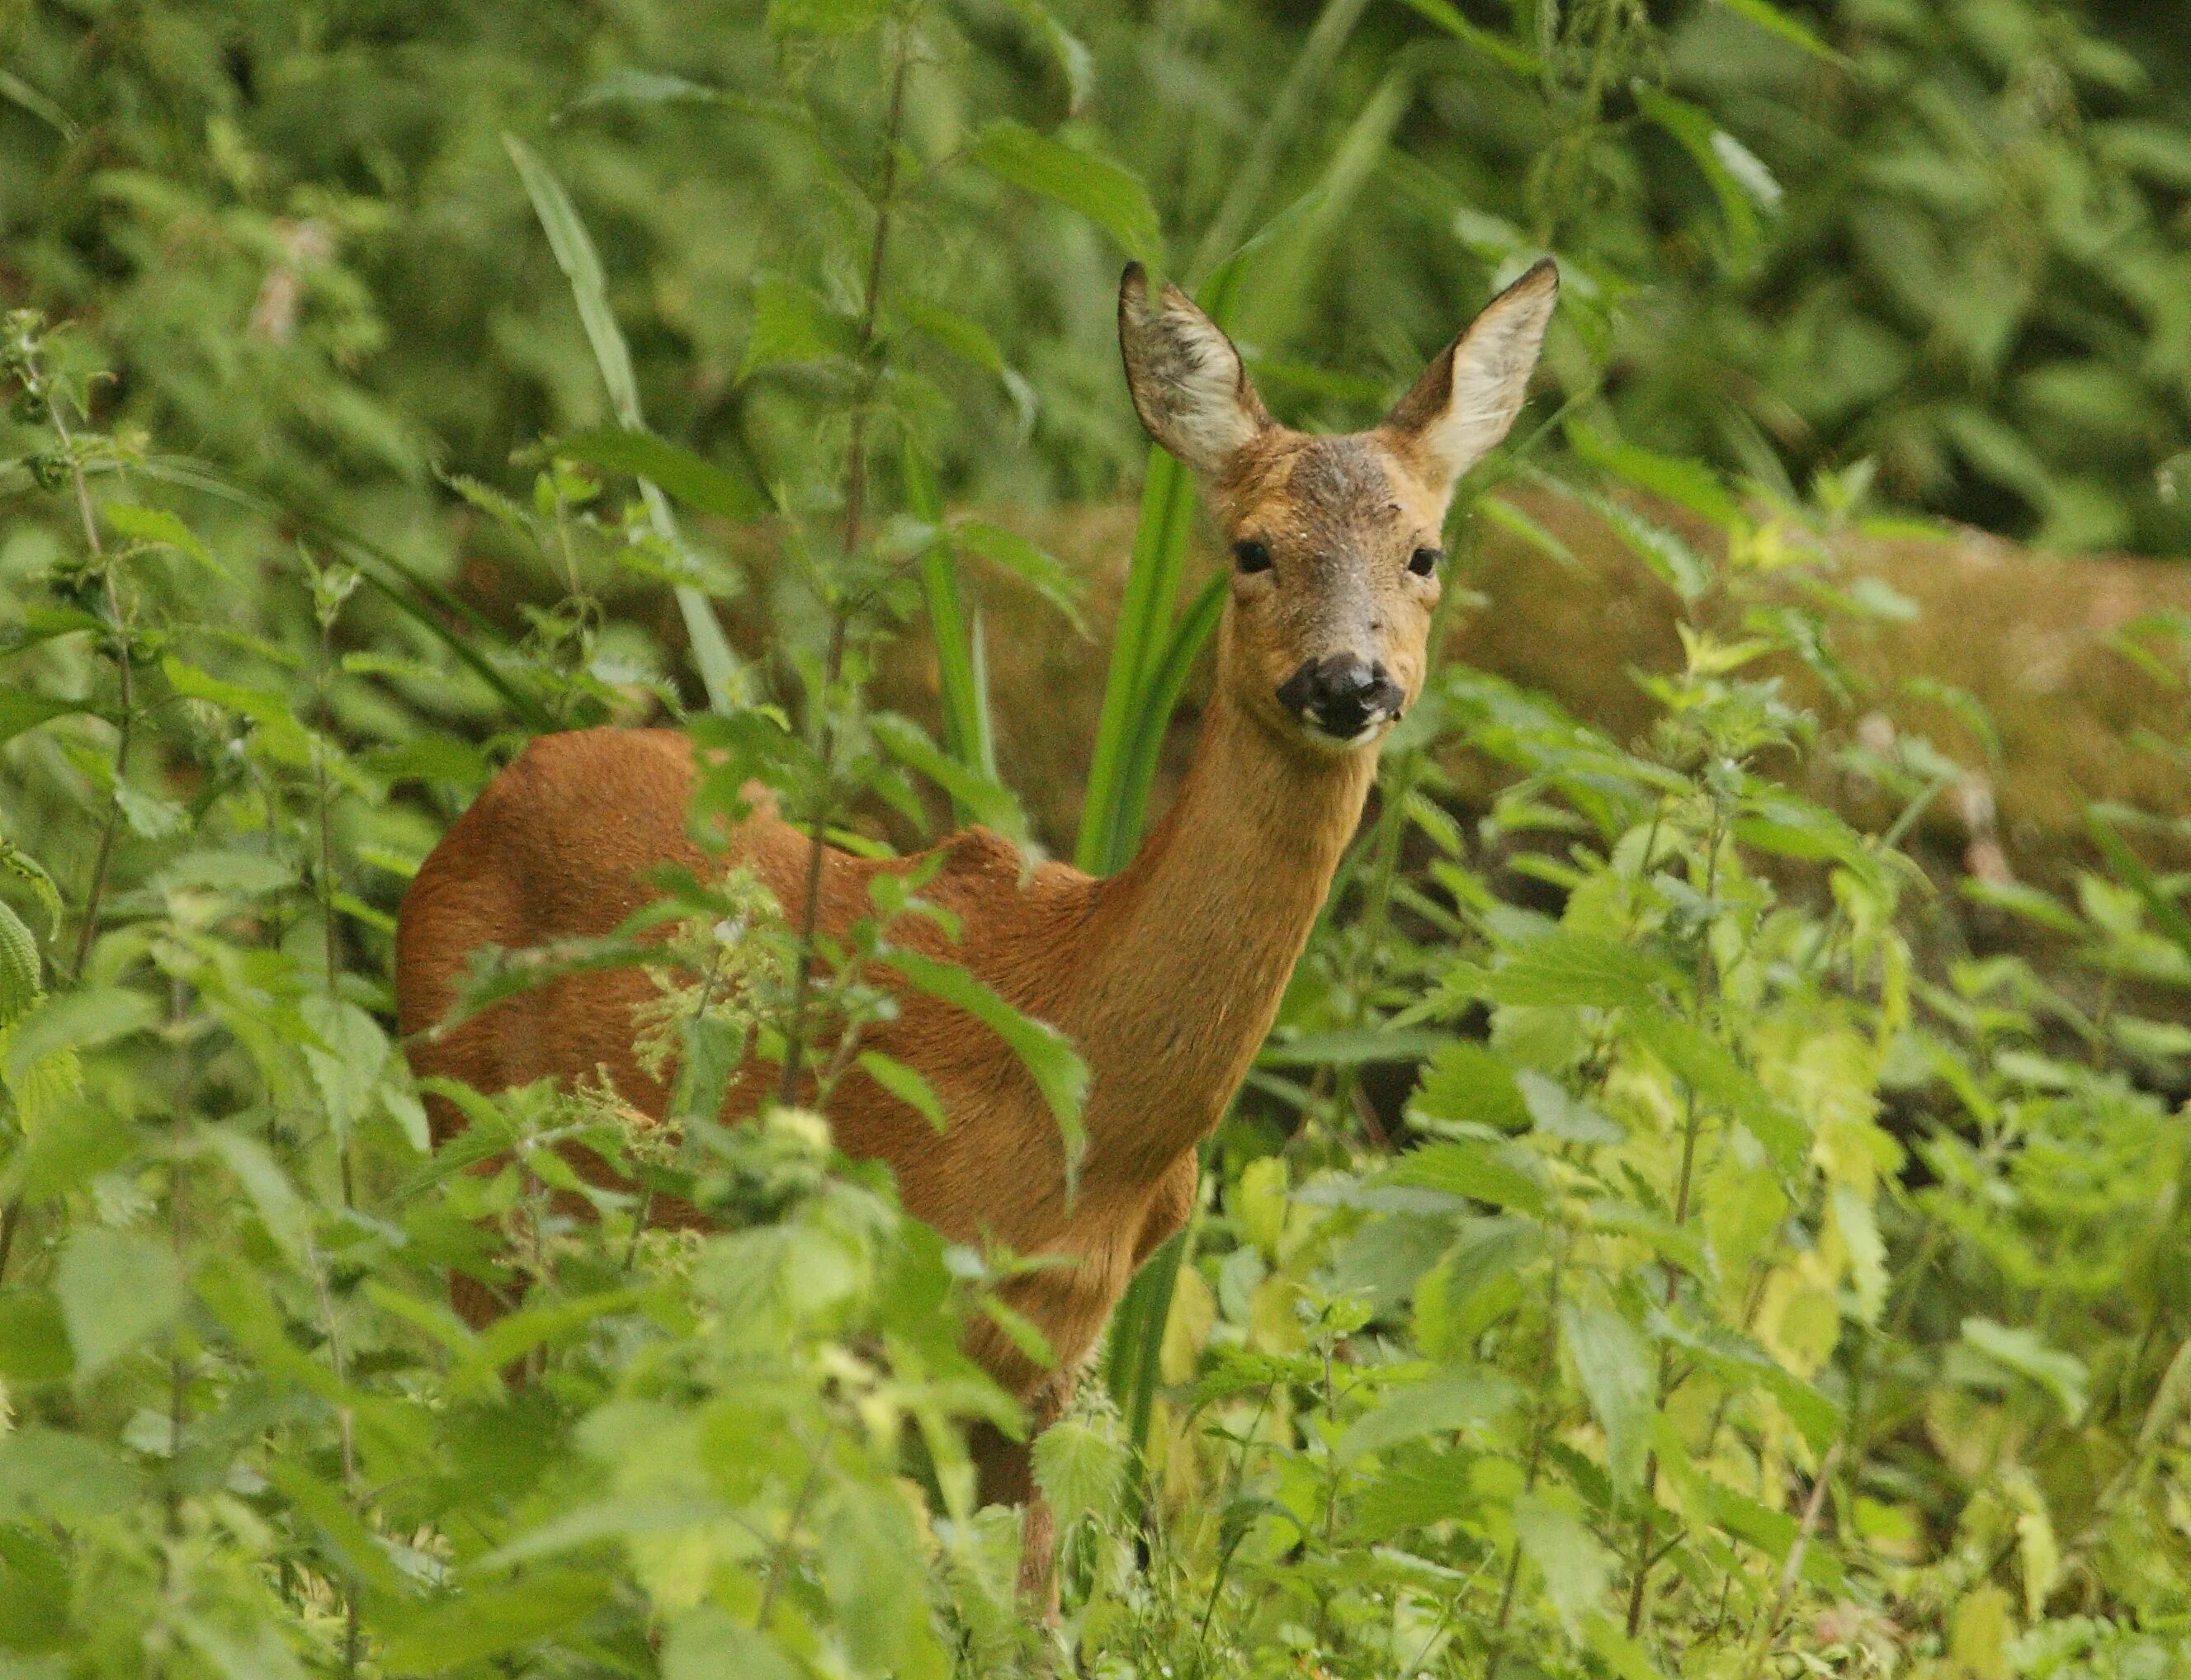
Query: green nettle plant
1668,1233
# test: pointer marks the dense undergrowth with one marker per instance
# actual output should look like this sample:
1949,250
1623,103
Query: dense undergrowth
1657,1239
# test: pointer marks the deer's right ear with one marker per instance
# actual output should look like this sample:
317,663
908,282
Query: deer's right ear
1186,379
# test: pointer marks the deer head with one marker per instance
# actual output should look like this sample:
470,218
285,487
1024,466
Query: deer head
1335,541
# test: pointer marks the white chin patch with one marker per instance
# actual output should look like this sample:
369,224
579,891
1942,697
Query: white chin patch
1345,744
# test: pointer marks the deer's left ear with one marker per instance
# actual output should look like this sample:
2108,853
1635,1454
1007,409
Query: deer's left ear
1466,399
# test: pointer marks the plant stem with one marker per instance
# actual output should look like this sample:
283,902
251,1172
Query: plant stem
126,695
1540,1428
856,510
1792,1569
1692,1124
346,1434
327,872
779,1559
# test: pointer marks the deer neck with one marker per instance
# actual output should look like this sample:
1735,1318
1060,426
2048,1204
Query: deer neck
1193,943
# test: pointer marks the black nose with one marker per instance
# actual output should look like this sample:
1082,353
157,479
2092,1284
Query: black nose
1341,695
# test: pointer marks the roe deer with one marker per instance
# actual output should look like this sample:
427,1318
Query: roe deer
1166,976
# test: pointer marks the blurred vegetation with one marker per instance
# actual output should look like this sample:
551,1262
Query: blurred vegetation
1953,242
1670,1232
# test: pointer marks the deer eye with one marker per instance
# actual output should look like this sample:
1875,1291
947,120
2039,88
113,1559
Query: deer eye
1251,557
1424,562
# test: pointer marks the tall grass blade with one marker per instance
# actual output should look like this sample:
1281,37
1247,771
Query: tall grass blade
961,676
1160,542
1160,700
582,266
1280,123
1132,1365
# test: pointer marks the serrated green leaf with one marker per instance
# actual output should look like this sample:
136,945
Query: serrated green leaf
1110,197
1080,1469
1476,1170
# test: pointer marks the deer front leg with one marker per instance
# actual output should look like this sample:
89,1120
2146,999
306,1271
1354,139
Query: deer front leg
1006,1472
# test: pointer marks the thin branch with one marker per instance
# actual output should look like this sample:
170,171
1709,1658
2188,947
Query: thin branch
856,513
1791,1571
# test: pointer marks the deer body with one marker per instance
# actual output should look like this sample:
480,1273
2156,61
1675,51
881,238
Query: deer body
1166,976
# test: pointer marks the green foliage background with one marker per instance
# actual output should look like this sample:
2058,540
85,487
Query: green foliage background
1667,1232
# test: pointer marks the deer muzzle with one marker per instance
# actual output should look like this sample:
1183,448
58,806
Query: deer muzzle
1342,696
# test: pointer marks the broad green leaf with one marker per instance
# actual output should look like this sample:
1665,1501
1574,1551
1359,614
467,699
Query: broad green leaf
117,1290
1073,58
483,1621
983,798
22,973
2063,1375
1736,1359
281,1209
873,1569
76,1020
1576,1568
1669,555
700,485
1027,562
1466,1082
1108,195
971,343
1570,1119
346,1064
791,324
59,1476
1508,517
47,623
1434,1406
20,711
278,730
706,1643
158,527
1619,1377
34,1342
345,1539
1689,483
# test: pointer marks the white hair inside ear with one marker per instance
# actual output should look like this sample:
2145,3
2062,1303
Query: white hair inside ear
1188,383
1466,399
